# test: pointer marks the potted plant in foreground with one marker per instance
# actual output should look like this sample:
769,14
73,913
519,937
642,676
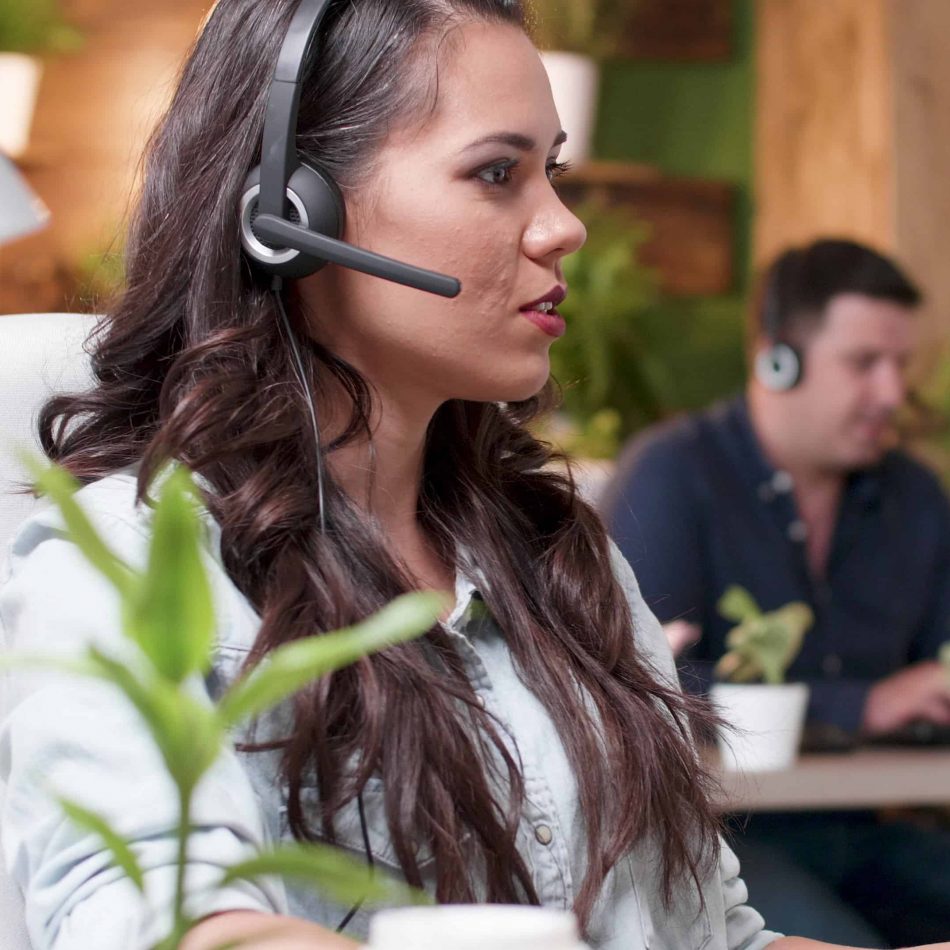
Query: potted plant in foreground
168,623
763,713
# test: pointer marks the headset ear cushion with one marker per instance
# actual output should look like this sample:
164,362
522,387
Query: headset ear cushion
778,367
322,198
314,201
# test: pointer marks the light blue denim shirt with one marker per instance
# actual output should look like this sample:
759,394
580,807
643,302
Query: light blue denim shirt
82,740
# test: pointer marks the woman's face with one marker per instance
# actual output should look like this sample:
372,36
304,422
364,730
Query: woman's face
468,193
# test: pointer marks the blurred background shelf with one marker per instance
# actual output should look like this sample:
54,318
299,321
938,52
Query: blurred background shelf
691,222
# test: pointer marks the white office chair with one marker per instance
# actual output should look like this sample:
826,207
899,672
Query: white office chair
40,354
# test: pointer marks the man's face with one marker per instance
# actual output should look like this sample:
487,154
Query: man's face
855,380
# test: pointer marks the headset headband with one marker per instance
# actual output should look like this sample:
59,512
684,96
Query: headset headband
279,147
771,306
316,234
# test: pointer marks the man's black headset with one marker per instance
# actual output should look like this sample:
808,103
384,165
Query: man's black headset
292,213
779,366
292,217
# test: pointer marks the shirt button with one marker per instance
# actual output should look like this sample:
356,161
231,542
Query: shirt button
797,530
831,664
782,482
481,700
544,834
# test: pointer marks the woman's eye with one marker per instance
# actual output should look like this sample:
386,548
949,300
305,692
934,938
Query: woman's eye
556,169
497,174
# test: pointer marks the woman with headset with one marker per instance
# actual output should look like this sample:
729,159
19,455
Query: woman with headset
359,431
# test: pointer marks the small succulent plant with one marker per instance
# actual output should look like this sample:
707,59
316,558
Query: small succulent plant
762,646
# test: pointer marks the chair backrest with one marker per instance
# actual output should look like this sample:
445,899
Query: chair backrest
40,354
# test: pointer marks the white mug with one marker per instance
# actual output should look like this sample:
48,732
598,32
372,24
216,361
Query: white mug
474,927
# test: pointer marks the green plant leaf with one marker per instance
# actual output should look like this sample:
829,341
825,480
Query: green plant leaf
944,657
117,845
79,666
169,612
289,668
343,878
734,667
35,26
161,705
764,646
61,488
189,735
738,605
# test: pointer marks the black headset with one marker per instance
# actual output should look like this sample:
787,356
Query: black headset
779,366
292,213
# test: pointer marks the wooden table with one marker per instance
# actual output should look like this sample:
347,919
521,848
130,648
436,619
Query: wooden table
866,778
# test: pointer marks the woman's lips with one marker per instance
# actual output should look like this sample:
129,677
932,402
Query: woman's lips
549,321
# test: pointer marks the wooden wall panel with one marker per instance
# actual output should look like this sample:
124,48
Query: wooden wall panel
853,132
96,108
824,129
684,30
691,222
920,32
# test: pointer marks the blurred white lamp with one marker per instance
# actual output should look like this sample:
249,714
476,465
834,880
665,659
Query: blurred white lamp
21,211
19,84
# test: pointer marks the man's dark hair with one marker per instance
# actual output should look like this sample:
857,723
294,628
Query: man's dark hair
799,284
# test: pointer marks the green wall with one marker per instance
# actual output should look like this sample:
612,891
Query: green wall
690,119
693,119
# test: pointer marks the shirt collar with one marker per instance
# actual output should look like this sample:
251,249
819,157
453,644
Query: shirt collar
862,485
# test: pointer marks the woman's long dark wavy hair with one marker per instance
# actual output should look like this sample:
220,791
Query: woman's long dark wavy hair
191,364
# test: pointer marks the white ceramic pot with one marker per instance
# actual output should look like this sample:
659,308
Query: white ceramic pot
575,82
474,927
19,85
767,724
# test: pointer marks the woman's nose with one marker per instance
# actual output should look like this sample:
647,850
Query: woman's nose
554,233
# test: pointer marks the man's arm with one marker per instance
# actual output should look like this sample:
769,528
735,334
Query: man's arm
921,690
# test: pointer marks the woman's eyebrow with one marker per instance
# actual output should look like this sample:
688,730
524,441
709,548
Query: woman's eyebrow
523,143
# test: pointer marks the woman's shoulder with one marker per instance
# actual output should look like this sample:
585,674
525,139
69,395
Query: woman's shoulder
113,506
110,503
44,562
651,641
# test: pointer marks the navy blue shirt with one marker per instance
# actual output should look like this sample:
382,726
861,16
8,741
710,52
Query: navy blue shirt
695,507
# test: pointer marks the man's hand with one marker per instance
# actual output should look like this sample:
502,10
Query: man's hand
921,691
680,634
252,930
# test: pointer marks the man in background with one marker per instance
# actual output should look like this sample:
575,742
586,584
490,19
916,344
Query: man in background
797,491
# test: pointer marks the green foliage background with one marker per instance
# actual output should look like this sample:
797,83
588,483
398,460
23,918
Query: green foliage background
661,354
35,26
633,355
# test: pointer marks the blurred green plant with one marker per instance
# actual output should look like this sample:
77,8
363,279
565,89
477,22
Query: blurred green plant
601,362
590,27
762,646
168,619
596,438
944,657
98,277
633,355
924,422
35,26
